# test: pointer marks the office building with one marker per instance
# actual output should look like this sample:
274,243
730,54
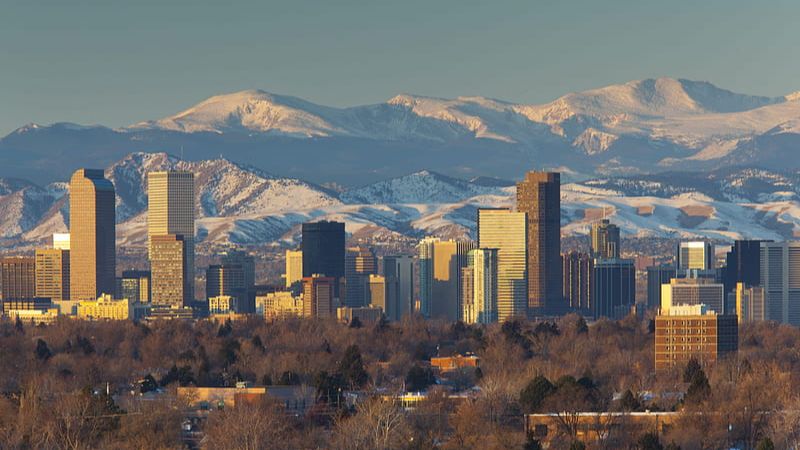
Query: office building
323,250
246,301
425,250
539,197
106,308
605,240
222,304
294,267
613,291
384,293
743,264
507,231
168,269
226,279
656,276
279,305
780,277
17,278
693,332
693,291
576,270
92,235
34,316
359,264
364,314
61,241
52,274
440,273
694,256
750,303
479,287
34,303
134,285
170,211
318,296
401,268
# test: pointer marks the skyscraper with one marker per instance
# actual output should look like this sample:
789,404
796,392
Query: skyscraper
169,275
170,211
613,287
743,264
383,293
135,285
577,285
479,305
294,267
425,255
749,303
247,300
401,268
92,235
696,255
17,278
359,264
780,277
507,231
539,196
605,240
52,274
693,291
440,266
323,250
656,276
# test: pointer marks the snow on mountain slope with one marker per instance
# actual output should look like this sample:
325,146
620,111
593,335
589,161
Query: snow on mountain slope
419,187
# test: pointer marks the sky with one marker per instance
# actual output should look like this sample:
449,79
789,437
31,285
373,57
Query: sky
116,63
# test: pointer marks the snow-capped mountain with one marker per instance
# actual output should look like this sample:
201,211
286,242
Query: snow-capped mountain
643,126
241,204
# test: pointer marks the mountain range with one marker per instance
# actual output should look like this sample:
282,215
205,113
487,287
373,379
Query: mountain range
241,204
639,127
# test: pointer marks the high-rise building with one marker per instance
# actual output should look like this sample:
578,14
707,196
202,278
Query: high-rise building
359,264
17,278
134,285
170,285
294,267
507,231
479,286
613,287
539,196
750,303
226,279
693,332
743,264
383,293
323,250
318,296
605,240
92,235
170,211
780,277
401,268
52,274
576,268
247,300
695,255
693,291
440,273
656,276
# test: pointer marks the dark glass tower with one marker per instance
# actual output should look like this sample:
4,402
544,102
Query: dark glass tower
323,250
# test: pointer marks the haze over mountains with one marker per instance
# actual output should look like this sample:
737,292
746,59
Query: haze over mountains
645,126
241,204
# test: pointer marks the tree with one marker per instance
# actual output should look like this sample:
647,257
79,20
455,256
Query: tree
355,323
699,389
419,378
377,424
765,444
148,384
248,426
351,367
534,394
42,350
649,441
629,402
577,445
691,370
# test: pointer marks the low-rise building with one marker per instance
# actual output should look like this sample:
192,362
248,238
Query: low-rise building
450,363
34,316
279,305
106,308
363,314
222,304
596,427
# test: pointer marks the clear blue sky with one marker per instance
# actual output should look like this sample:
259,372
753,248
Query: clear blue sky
117,62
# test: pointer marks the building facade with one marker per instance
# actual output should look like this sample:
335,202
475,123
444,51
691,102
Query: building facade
577,268
750,303
359,264
539,197
605,240
479,289
134,285
696,255
225,279
52,274
319,296
613,287
92,222
693,332
507,231
323,250
294,267
17,278
780,277
401,268
693,291
656,276
106,308
168,261
279,305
